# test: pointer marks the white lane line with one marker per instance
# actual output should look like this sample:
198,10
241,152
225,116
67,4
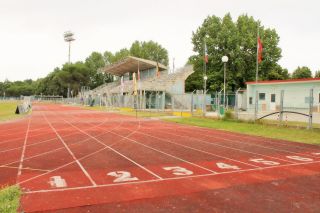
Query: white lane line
129,159
168,179
26,168
175,157
228,147
258,138
82,158
253,144
63,166
71,153
199,150
23,150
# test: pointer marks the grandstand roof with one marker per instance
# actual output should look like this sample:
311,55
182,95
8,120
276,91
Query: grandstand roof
130,64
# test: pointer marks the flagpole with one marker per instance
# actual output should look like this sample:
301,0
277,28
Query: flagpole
257,62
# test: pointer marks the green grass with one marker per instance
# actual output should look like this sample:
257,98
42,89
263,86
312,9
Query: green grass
9,199
8,109
269,131
130,112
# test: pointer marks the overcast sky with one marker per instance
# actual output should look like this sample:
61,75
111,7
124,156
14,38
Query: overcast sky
31,32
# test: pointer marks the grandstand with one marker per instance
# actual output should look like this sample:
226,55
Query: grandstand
154,89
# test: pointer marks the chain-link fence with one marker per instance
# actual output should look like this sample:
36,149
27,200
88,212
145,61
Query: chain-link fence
282,106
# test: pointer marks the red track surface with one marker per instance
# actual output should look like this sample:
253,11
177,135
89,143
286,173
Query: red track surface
116,163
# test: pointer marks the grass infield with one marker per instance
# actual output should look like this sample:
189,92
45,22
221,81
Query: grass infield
7,110
9,199
260,129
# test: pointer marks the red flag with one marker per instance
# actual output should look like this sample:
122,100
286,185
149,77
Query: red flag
205,53
259,50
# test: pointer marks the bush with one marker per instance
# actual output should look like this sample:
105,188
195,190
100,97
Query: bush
228,115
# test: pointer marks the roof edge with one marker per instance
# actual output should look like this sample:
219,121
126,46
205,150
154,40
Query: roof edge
284,81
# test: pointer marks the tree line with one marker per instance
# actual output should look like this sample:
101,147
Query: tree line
82,73
223,36
237,40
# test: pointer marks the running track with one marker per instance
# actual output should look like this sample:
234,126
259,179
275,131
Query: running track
67,159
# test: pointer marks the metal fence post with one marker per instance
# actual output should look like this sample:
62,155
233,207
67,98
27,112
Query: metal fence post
310,109
256,106
236,108
281,107
192,103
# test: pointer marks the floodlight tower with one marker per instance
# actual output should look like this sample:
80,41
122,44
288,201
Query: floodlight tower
68,37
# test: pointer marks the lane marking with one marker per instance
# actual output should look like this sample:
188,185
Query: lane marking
255,138
57,182
228,147
23,150
250,144
168,179
71,153
180,159
25,168
199,150
82,158
129,159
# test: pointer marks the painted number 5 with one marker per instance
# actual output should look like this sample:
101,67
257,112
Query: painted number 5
122,176
265,162
177,170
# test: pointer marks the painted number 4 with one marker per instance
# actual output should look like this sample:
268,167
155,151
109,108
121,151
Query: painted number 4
177,170
122,176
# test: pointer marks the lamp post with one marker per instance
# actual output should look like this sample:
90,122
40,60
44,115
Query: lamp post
224,60
205,74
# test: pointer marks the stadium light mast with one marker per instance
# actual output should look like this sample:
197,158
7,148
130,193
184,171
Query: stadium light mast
68,37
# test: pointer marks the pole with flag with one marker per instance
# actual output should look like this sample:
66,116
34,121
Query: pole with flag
259,54
121,82
134,84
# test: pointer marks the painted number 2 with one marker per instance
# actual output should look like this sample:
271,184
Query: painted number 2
122,176
177,170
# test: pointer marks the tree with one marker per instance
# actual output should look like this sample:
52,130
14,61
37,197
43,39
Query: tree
278,73
317,74
302,72
94,62
237,40
150,50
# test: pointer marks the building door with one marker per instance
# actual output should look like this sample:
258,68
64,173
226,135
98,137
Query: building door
273,102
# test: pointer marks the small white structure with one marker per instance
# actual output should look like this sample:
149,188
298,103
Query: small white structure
296,94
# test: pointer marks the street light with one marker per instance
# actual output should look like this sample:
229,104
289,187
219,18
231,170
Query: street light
205,73
224,60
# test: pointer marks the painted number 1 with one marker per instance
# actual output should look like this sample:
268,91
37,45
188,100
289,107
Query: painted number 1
122,176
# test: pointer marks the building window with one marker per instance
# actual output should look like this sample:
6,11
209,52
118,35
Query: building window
262,96
307,100
273,98
250,100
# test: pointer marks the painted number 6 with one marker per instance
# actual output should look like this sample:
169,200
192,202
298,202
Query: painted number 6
122,176
177,170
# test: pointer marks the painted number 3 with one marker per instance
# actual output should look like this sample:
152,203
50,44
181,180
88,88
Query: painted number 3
122,176
177,170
